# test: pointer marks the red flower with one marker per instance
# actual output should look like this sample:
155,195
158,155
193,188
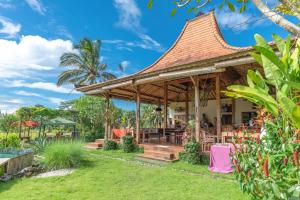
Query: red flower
266,168
258,140
249,173
285,161
237,166
296,158
259,156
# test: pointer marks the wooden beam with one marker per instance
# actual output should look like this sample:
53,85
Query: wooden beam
195,80
130,98
161,87
165,105
177,87
137,122
218,106
142,94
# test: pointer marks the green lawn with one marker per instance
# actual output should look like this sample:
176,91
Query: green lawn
115,175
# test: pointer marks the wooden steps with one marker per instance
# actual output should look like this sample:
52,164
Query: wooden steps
159,153
95,145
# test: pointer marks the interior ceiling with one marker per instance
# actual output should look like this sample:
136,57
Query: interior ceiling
177,89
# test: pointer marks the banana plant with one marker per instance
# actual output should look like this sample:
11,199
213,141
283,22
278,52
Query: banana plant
281,66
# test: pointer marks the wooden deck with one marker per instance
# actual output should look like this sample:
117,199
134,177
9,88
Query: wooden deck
159,152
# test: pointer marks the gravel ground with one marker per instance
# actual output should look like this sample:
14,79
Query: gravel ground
61,172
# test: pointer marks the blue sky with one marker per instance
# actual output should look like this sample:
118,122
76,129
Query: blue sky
34,33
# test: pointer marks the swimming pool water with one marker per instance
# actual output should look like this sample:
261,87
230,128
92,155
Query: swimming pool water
7,155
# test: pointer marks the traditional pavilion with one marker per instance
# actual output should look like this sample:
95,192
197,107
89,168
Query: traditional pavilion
198,66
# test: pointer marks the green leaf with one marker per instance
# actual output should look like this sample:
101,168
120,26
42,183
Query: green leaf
221,5
289,108
276,190
257,79
243,8
295,57
296,116
279,43
174,11
150,3
292,84
271,56
256,95
231,6
257,57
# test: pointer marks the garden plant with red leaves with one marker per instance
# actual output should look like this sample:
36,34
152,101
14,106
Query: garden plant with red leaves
268,167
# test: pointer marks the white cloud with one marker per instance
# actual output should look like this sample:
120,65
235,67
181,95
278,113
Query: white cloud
130,19
6,4
240,21
8,109
37,6
9,104
129,15
55,100
24,93
13,101
8,28
38,85
146,42
233,20
31,54
125,64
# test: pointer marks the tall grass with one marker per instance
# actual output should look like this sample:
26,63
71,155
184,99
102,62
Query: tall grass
60,155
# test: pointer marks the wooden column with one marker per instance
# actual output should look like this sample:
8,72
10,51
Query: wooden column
187,106
165,107
195,80
218,107
106,124
137,122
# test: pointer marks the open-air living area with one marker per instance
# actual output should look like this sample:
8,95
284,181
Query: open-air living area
185,84
142,100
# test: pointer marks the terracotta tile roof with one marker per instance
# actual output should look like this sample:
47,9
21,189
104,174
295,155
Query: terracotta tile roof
199,40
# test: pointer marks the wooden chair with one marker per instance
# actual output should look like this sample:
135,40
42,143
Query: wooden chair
207,141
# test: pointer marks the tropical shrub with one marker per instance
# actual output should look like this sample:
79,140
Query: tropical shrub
39,144
7,122
110,145
191,152
127,144
268,167
61,155
10,141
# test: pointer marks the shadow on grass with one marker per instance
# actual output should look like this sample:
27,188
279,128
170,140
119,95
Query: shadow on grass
7,185
87,163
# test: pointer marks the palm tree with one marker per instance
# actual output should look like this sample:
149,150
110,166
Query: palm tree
86,68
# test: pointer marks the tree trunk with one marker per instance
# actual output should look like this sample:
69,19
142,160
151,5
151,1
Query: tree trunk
28,133
276,18
20,128
40,128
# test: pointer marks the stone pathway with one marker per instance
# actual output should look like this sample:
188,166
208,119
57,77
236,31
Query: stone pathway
3,160
61,172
